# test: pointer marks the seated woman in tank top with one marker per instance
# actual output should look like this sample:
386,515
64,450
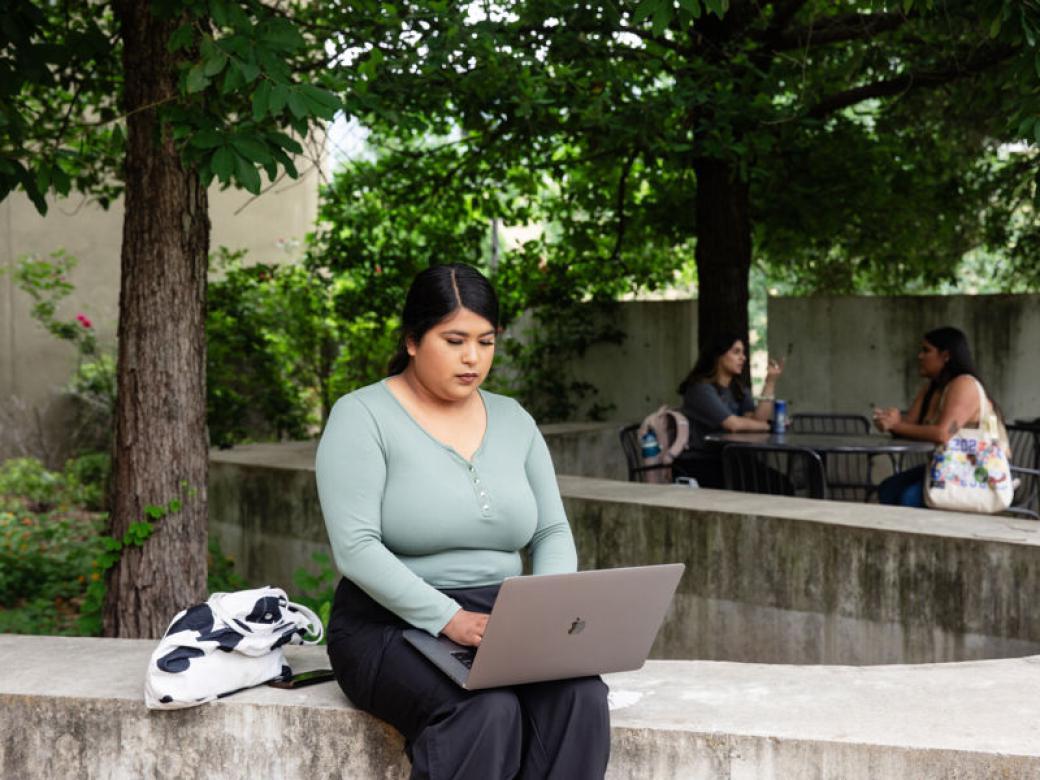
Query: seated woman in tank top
947,402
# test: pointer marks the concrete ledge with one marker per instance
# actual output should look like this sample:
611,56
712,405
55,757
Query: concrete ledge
769,579
74,708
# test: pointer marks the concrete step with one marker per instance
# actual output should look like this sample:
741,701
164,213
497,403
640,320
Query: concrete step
74,708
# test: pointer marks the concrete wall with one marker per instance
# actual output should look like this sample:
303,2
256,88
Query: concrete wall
848,352
33,364
642,373
769,579
586,449
681,720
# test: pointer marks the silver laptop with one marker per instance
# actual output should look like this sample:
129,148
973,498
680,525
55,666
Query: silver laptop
556,626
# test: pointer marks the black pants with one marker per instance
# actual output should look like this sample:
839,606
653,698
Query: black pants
558,729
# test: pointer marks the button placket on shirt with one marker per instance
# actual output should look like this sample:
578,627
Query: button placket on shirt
480,490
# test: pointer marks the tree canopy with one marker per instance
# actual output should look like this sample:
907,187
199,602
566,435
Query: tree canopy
851,146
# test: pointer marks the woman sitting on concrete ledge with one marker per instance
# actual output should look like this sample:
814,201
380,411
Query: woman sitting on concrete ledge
430,487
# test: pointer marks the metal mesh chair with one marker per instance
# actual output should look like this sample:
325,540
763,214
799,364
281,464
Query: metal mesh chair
1026,502
849,474
1025,445
773,470
629,436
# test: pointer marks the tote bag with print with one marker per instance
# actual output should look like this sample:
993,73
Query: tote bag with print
971,472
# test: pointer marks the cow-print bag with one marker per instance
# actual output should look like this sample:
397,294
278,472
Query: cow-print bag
231,642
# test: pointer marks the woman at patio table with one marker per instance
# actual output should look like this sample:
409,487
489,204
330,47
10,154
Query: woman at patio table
430,487
715,400
947,402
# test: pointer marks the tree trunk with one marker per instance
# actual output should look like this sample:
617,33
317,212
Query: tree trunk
723,250
160,438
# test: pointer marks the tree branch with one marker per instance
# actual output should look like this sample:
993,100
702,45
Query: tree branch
847,27
622,186
913,80
783,14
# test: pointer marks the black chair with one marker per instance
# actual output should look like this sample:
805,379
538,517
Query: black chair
637,472
825,422
773,470
849,474
1026,502
1025,445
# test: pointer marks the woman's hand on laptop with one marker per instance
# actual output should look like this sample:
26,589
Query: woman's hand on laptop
466,628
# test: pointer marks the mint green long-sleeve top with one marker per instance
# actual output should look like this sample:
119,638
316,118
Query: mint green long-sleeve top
407,515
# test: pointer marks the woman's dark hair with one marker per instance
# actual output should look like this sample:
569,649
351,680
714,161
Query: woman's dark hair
704,369
951,340
436,293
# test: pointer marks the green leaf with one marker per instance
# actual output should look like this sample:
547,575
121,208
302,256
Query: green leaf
251,149
325,104
233,79
261,100
223,164
246,175
197,80
219,11
181,38
645,9
286,142
286,161
283,34
279,97
60,180
207,139
692,7
250,70
215,63
297,105
662,16
155,512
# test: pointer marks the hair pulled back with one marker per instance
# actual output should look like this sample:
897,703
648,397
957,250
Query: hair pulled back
438,292
707,361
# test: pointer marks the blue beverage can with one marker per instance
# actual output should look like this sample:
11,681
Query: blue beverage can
650,447
779,416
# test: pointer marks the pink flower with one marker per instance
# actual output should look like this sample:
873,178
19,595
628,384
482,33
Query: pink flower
83,320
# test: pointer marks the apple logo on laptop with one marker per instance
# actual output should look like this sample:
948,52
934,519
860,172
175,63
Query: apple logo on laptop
577,626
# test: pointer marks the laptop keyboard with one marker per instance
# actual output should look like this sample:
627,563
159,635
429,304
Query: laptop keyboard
464,657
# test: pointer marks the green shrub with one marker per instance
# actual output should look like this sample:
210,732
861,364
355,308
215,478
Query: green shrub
86,480
46,560
317,590
28,479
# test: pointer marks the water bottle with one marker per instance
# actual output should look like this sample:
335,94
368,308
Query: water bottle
779,416
650,447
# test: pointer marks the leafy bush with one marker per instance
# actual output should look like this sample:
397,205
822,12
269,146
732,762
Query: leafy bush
317,590
46,560
281,349
27,478
86,480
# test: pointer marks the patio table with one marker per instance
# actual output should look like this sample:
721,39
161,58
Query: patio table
838,445
822,443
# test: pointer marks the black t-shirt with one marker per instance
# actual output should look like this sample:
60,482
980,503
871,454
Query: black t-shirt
706,405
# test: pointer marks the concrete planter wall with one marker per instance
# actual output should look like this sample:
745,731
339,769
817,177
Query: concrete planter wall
768,579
